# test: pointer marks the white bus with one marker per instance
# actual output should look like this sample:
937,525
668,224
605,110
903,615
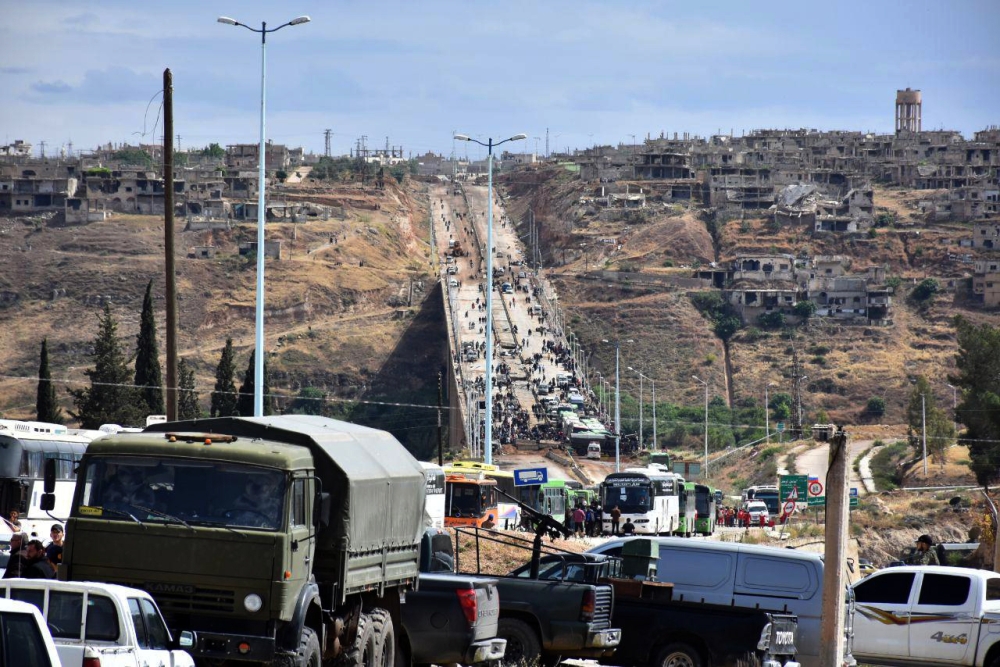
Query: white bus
645,496
434,500
24,448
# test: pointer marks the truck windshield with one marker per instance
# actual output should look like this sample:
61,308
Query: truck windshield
182,491
629,499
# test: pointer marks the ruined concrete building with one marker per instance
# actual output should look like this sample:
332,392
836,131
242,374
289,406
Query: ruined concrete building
986,283
908,110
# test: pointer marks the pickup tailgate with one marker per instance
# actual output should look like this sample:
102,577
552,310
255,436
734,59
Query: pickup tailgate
487,598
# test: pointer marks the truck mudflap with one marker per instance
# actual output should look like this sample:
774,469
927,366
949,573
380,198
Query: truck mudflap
215,645
487,650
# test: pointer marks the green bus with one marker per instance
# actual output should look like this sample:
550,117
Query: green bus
661,458
688,510
551,498
704,500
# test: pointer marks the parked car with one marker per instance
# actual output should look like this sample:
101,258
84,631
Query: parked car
24,640
101,624
756,509
928,615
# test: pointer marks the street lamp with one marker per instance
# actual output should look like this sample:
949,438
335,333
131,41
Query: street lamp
653,383
695,377
641,440
488,439
767,410
618,404
258,371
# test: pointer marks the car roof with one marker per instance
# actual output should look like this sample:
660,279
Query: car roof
731,547
19,607
943,569
113,590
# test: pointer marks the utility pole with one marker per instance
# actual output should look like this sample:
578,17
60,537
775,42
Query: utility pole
168,244
42,144
178,142
546,142
440,432
923,429
837,513
326,141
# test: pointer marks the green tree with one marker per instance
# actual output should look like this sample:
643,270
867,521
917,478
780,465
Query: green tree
46,408
245,402
310,401
781,406
925,290
187,397
111,397
978,377
922,411
876,406
804,309
214,151
148,374
135,156
281,175
224,398
772,320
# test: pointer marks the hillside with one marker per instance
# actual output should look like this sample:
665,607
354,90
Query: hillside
629,274
346,293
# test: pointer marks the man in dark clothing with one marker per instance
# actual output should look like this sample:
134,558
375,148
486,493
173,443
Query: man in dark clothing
36,567
628,528
16,564
54,552
616,515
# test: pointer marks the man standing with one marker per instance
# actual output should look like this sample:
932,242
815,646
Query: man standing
579,519
36,567
54,552
924,555
16,564
616,516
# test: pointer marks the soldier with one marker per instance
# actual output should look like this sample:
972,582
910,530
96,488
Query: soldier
924,555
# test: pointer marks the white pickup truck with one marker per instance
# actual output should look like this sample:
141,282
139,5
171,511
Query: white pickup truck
23,637
928,615
100,625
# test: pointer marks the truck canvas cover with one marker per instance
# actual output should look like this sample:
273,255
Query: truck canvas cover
376,487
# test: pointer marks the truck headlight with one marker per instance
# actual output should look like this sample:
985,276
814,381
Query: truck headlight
253,603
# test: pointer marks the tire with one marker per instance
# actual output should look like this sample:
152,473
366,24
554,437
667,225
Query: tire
523,645
364,649
385,638
678,655
308,653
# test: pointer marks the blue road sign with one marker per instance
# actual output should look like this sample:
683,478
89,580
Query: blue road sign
854,492
531,476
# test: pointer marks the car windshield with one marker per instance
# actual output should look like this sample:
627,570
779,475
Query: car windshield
629,499
182,491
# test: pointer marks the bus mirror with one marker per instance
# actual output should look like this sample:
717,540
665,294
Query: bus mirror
50,475
47,502
321,510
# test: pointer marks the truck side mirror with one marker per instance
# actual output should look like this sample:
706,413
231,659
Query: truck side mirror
321,510
47,503
187,639
50,475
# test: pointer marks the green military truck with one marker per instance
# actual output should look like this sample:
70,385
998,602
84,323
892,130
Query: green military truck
286,540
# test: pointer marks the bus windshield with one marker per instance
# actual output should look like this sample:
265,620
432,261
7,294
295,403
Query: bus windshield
630,496
701,500
466,500
182,491
769,498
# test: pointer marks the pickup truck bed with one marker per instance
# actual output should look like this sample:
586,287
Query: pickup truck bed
452,619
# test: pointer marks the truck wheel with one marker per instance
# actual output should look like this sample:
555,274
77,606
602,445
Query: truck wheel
678,655
308,654
523,645
364,650
385,638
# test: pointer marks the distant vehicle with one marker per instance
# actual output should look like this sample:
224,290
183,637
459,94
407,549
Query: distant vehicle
434,501
645,496
767,494
865,567
452,270
25,640
594,450
704,500
687,511
507,288
757,510
543,389
101,624
469,499
452,282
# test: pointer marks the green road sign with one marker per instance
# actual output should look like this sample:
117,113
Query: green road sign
798,482
781,426
817,501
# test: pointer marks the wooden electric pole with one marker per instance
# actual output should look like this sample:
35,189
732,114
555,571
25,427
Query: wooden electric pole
168,243
835,559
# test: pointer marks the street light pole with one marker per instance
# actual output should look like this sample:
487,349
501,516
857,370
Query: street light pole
767,413
706,422
618,413
488,436
639,373
258,372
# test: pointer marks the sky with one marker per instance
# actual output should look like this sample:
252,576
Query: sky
416,72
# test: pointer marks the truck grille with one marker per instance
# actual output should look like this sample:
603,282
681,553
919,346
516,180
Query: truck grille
201,599
602,607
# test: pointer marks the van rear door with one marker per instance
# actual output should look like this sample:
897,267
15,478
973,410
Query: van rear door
780,583
698,575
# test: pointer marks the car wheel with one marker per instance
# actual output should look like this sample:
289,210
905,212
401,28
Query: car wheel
523,645
678,655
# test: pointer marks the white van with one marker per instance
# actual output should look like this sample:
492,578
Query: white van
744,575
594,450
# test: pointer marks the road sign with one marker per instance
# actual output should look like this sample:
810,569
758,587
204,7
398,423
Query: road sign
815,487
817,501
781,426
793,487
788,508
854,496
531,476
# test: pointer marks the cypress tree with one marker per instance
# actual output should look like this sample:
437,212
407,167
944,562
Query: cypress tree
46,408
187,398
111,397
224,394
148,375
245,407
